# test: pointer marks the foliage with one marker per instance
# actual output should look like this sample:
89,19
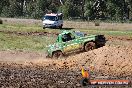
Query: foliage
88,9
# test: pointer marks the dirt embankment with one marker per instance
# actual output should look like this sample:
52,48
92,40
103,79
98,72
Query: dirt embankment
113,61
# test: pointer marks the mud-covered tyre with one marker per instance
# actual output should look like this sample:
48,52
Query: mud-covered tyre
89,46
57,54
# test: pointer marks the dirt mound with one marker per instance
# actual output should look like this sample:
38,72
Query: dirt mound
108,60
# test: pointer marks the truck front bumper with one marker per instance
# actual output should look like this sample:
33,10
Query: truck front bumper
49,26
100,40
48,53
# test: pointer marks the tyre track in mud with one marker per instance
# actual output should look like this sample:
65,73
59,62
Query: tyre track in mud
36,33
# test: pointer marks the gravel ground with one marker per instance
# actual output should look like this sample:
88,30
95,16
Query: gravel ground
32,76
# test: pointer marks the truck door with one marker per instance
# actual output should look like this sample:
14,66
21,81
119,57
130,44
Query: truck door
70,43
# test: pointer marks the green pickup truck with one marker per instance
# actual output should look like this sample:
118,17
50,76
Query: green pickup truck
71,41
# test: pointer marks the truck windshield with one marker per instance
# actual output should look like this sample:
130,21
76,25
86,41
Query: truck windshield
52,18
81,34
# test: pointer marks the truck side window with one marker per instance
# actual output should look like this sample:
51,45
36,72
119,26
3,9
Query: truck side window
56,19
72,36
67,37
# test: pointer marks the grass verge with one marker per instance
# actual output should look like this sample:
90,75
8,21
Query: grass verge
108,32
26,43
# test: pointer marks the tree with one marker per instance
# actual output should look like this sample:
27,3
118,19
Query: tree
92,9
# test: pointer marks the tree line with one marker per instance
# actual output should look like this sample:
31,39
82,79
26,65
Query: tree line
71,9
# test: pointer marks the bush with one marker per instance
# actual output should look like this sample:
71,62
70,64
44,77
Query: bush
1,22
97,24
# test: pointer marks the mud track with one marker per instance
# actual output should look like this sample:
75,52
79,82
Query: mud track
29,33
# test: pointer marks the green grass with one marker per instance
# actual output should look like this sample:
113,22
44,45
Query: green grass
24,28
21,42
20,28
108,32
39,43
26,43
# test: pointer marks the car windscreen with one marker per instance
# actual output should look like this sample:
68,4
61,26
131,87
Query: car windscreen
52,18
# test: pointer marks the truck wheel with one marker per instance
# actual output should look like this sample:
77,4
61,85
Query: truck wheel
57,54
60,27
89,46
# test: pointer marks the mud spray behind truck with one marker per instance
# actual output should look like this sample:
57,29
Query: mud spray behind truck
71,41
